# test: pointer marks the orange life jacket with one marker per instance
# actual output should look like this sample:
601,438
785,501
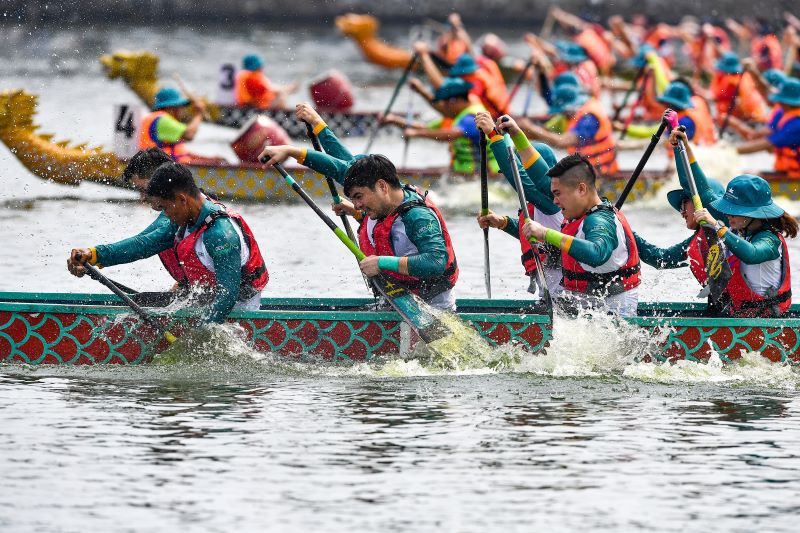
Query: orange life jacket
597,48
450,48
253,89
704,131
766,49
602,150
493,95
148,138
787,159
750,105
577,279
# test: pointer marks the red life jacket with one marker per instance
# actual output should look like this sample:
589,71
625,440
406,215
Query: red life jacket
766,49
578,279
787,158
254,271
253,89
426,288
747,303
549,255
148,138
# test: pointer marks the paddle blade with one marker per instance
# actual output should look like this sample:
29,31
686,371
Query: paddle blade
415,312
717,268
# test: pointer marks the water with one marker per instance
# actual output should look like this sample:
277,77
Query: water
582,437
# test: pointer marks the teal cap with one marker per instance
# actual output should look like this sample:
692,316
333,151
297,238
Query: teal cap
169,97
677,95
788,94
748,196
452,88
252,62
567,98
729,63
465,64
571,52
567,78
678,196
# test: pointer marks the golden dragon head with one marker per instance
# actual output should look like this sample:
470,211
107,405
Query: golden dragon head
139,70
16,110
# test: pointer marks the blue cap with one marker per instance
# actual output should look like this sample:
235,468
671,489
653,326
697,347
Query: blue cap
169,97
776,77
748,196
571,52
729,63
677,95
452,88
465,64
567,78
788,94
677,197
640,59
252,62
567,98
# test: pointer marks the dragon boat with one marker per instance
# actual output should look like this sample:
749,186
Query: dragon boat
139,71
246,182
86,329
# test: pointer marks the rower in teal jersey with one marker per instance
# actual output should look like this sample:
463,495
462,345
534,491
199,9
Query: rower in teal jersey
215,250
403,234
533,162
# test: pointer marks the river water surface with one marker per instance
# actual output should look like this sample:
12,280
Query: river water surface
584,437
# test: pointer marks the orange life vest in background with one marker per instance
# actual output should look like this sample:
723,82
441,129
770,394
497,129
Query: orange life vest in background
787,159
597,48
766,50
148,138
750,105
253,89
704,131
602,150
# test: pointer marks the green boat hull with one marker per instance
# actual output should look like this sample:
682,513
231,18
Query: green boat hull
78,329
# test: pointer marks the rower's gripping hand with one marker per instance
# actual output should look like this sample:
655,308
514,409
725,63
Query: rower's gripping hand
703,216
484,122
306,113
676,135
345,207
275,154
506,124
671,117
77,257
533,230
369,266
492,220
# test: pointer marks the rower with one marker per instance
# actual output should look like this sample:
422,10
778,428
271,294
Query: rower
755,237
691,251
657,75
533,164
731,81
216,250
402,232
457,127
784,139
253,88
599,258
573,58
588,131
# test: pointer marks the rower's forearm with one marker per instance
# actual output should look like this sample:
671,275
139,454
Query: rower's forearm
326,165
146,244
440,135
331,143
764,247
543,201
673,257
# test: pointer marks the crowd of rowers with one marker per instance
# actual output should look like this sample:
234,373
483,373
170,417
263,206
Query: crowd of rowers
590,254
755,97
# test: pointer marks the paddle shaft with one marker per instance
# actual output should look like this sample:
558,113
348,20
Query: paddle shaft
397,88
640,166
687,167
95,274
331,185
190,95
731,107
523,205
487,269
636,105
433,329
518,83
628,93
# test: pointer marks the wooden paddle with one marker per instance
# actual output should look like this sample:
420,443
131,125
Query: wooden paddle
731,107
628,93
523,205
487,269
97,276
397,88
413,311
642,162
717,268
193,97
639,100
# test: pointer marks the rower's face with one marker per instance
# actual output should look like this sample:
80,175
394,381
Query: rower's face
737,222
569,199
374,202
140,184
176,209
687,212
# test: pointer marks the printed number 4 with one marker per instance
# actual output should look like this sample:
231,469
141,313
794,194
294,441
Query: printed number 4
125,121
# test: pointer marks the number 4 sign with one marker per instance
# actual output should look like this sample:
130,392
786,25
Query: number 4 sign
127,118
